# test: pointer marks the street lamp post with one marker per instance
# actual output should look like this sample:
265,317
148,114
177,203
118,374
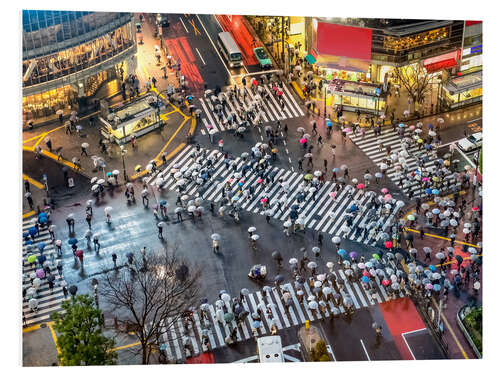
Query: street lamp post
123,152
95,283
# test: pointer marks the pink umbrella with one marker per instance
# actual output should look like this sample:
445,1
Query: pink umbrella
302,140
259,180
347,130
382,116
412,127
428,286
263,200
275,88
360,186
384,190
387,197
40,273
333,194
230,180
425,179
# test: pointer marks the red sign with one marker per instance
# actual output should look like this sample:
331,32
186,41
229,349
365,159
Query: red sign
346,41
470,23
448,60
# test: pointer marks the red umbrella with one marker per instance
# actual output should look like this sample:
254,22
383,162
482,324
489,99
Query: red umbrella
302,140
360,186
254,82
279,93
388,244
366,273
259,180
386,282
79,254
475,208
263,200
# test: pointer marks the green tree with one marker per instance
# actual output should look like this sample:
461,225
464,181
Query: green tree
80,339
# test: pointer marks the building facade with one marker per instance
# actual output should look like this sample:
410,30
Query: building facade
68,55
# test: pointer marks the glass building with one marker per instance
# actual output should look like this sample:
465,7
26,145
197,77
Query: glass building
68,55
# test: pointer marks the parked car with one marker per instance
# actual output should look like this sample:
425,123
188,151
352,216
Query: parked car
264,60
471,143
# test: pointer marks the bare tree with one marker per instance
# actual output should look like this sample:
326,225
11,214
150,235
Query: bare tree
150,296
415,80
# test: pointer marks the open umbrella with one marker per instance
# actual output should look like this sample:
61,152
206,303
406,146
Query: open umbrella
312,265
228,317
215,236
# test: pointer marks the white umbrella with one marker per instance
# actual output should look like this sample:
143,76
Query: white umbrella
255,237
100,181
336,240
318,173
252,229
116,172
313,305
293,261
85,145
108,209
94,180
287,224
191,208
311,265
225,297
95,187
317,284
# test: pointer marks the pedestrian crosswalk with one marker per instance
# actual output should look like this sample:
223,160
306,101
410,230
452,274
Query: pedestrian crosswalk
49,301
318,210
279,314
271,110
375,148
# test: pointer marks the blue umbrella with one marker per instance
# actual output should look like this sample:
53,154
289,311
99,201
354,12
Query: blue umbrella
240,183
430,126
335,170
72,241
163,202
236,197
428,191
41,246
342,252
43,220
353,207
41,259
432,268
109,174
42,214
278,278
25,235
437,287
255,324
427,146
401,125
365,279
329,124
33,231
435,191
28,242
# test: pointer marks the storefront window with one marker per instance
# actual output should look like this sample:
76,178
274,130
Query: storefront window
400,44
47,103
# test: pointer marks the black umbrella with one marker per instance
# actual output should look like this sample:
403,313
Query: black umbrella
50,278
331,277
242,315
295,207
459,259
399,256
300,279
279,278
41,259
204,300
276,255
238,309
72,290
409,236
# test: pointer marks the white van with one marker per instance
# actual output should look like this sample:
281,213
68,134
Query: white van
230,49
269,349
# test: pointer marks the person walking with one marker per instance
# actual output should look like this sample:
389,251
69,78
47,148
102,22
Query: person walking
114,257
88,218
84,151
29,199
145,199
160,230
97,245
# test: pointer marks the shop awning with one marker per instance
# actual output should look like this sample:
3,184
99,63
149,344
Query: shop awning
448,60
310,59
464,83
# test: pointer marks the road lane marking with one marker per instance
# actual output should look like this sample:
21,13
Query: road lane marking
183,24
199,54
364,348
476,119
196,31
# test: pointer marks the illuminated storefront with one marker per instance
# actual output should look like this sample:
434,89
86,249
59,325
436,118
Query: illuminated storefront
67,56
353,96
463,90
137,118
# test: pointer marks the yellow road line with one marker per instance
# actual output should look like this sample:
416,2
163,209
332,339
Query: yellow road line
33,182
28,214
432,203
451,331
31,328
54,336
450,262
299,91
193,125
196,32
125,346
442,238
61,161
41,137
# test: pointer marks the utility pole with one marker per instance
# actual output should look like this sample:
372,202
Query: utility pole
283,39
